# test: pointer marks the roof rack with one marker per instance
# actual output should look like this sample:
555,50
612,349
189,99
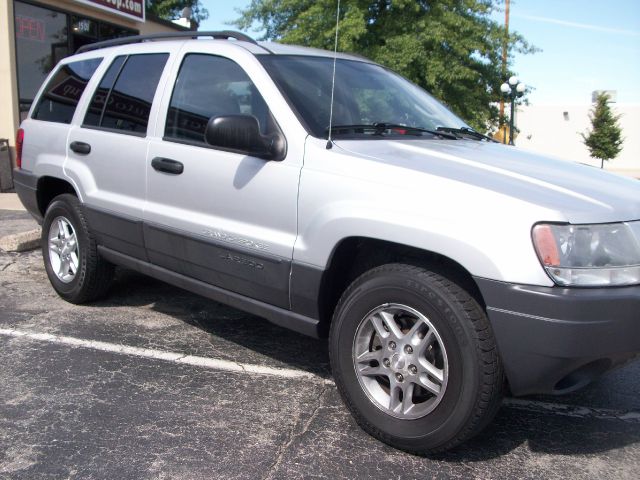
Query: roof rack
222,35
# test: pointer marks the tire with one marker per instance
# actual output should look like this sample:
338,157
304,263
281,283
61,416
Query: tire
85,276
444,348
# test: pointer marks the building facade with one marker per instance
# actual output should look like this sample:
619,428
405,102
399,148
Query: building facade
36,34
555,130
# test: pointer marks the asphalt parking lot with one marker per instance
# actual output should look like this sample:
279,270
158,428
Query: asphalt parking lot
157,383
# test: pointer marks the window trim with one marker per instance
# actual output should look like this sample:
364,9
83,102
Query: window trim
106,100
115,130
195,143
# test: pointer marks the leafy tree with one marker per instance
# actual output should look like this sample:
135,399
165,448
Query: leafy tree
171,9
604,141
452,48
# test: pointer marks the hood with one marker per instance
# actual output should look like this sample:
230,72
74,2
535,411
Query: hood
583,194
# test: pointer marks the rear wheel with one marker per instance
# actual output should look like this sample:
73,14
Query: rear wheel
76,271
414,358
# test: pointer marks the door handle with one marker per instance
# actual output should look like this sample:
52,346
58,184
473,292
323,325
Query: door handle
167,165
80,148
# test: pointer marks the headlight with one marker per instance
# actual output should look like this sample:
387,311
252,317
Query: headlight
590,255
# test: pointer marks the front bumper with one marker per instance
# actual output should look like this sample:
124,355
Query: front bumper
556,340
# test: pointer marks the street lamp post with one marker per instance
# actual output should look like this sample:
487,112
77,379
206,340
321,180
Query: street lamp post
512,89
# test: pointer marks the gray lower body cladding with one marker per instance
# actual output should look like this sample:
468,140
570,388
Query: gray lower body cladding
26,186
279,316
555,340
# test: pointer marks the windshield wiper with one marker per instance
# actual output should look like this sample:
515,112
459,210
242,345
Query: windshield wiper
379,128
467,131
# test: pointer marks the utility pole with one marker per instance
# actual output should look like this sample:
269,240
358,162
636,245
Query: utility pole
504,65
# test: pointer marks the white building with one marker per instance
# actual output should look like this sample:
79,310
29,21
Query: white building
555,130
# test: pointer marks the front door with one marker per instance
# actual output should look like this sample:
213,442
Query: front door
221,217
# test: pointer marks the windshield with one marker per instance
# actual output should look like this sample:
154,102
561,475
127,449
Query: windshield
365,94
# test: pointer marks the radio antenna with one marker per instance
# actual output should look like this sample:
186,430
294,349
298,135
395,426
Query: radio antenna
333,77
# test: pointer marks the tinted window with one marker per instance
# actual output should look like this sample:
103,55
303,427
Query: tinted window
62,93
210,86
97,102
123,99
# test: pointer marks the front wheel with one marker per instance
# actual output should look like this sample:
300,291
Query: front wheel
414,358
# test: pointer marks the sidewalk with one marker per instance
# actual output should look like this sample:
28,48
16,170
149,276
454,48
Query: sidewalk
18,230
10,201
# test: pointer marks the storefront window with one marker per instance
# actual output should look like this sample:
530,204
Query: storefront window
41,41
45,36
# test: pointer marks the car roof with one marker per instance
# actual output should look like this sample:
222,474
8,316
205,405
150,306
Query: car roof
283,49
238,39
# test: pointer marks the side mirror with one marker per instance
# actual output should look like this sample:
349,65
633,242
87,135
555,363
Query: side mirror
241,134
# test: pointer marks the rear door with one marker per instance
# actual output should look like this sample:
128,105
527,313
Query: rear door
107,151
227,219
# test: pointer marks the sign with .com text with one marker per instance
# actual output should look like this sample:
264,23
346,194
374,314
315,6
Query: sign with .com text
132,9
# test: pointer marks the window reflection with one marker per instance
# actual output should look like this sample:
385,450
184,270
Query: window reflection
210,86
41,41
63,92
128,101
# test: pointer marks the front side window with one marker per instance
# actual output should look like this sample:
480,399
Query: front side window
62,94
123,99
210,86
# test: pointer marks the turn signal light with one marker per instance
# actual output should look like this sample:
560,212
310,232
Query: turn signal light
546,245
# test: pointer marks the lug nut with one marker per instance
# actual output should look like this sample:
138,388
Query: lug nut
408,349
413,369
399,377
392,345
386,362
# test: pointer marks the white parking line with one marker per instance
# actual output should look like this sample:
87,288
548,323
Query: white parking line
175,357
533,406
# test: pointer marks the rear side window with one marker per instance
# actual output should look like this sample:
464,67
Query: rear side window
123,99
97,102
62,94
210,86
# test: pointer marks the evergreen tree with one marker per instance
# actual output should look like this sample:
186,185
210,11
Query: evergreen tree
452,48
604,141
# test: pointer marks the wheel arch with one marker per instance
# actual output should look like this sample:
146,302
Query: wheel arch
50,187
353,256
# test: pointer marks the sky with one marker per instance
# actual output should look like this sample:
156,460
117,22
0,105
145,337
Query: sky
585,45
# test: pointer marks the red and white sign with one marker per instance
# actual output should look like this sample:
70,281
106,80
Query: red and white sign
30,28
133,9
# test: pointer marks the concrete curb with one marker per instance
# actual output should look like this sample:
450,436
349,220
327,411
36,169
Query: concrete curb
21,242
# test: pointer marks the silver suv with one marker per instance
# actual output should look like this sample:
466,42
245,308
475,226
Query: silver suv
444,268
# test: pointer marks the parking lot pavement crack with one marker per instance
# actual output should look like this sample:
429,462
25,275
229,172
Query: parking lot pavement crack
4,267
293,435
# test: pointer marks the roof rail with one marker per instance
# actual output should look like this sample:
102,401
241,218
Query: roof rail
225,34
